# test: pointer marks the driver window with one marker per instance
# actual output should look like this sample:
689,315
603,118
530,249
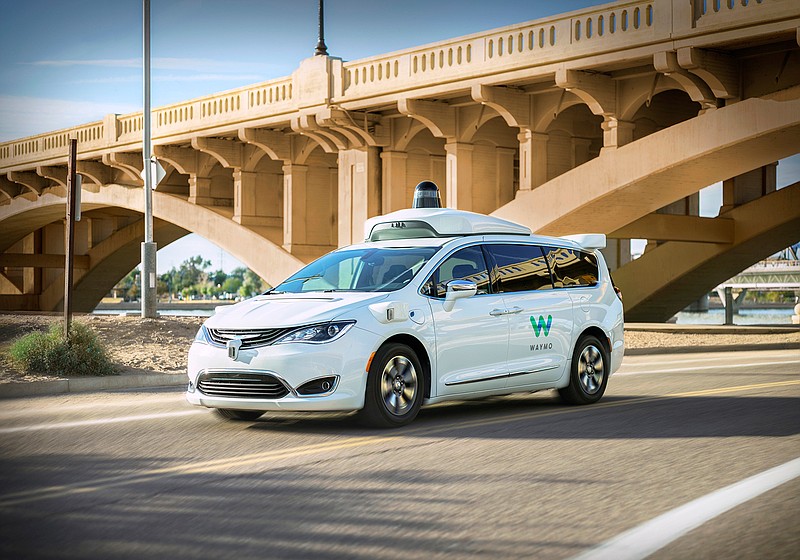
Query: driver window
466,264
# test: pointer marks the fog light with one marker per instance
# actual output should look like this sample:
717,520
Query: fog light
320,386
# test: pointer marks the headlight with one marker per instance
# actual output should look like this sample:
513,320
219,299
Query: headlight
317,334
201,336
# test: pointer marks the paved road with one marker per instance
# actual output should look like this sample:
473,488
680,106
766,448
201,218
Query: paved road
140,474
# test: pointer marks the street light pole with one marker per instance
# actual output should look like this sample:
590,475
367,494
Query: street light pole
322,49
148,277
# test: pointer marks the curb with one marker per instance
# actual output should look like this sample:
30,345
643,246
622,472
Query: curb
91,384
711,329
711,349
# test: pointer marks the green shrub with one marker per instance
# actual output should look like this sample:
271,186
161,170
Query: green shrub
48,352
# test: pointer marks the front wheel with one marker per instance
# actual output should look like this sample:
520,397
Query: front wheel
395,388
588,372
229,414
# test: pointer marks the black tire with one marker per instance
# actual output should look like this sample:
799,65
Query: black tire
395,388
588,374
243,415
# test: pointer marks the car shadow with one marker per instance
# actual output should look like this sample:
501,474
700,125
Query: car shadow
543,417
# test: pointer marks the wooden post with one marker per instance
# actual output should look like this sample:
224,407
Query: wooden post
70,233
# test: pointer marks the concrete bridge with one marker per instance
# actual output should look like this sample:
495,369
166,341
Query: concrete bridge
610,119
768,275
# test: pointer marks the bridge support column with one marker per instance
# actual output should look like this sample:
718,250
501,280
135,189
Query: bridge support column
254,194
616,133
52,244
459,175
394,181
32,277
617,253
748,186
504,178
309,210
532,159
359,192
200,190
295,178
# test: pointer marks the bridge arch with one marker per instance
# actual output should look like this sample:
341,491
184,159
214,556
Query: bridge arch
661,168
178,217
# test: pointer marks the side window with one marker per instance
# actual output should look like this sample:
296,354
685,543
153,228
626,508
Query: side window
571,267
466,264
520,268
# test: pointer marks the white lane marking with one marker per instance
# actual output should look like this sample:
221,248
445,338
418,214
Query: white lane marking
98,421
696,368
642,541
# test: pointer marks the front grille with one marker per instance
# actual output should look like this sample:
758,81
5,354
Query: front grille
241,385
251,338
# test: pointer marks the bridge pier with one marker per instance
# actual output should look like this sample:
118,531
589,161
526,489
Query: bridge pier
748,186
310,207
359,196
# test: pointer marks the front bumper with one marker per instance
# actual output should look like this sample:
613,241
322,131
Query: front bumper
294,364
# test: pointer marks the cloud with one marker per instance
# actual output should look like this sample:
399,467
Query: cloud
26,116
179,64
109,62
172,78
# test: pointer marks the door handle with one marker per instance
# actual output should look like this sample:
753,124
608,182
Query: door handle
514,310
497,312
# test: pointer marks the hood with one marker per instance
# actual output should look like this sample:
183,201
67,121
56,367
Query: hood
290,310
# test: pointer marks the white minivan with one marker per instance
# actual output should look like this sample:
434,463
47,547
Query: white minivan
436,304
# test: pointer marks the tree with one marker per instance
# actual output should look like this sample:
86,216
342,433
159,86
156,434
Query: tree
127,287
218,277
231,285
252,284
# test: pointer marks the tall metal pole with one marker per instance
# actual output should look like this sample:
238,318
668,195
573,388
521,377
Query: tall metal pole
70,233
321,49
148,277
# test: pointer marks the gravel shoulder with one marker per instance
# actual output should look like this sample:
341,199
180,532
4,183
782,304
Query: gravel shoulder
142,346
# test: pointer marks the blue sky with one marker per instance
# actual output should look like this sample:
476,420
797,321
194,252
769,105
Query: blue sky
69,62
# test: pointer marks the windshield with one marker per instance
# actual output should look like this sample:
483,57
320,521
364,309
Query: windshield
359,270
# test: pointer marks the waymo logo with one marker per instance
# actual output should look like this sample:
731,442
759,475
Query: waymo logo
541,325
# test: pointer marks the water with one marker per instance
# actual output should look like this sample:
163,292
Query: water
744,317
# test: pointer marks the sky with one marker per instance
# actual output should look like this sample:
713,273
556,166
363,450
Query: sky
64,63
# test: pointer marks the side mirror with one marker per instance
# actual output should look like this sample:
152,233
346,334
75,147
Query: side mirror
458,289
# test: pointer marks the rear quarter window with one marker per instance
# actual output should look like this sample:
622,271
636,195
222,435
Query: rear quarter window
572,267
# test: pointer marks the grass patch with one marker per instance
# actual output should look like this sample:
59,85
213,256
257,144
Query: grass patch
50,352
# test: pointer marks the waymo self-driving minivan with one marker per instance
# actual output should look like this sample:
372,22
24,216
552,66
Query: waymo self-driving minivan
436,304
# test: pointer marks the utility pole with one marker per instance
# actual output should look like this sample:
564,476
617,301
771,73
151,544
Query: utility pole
72,187
148,278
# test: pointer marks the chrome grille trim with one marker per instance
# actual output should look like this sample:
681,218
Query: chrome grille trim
242,385
251,338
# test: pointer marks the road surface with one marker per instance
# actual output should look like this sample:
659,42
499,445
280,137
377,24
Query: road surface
141,474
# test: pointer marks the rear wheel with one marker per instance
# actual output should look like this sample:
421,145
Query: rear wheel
588,372
395,388
229,414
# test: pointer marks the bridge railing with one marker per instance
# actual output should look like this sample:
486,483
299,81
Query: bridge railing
601,29
540,42
709,14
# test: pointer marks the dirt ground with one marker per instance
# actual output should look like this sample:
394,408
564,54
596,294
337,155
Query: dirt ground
138,345
135,345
